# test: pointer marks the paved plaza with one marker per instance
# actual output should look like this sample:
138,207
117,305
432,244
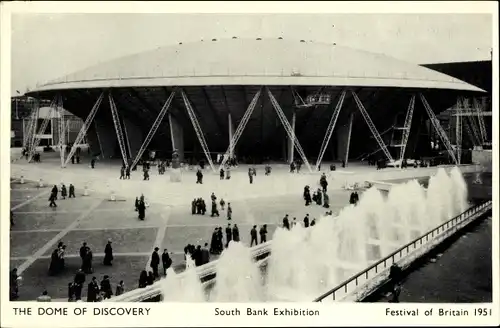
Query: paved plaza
94,219
169,224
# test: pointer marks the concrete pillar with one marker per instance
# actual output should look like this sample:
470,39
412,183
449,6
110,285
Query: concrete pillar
231,132
135,138
291,142
177,136
348,143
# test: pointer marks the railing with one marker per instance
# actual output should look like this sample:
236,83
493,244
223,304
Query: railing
369,274
206,272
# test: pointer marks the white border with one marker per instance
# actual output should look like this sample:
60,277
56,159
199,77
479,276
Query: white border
182,314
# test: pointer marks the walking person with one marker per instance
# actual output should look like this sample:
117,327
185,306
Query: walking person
108,254
71,191
64,191
52,200
253,236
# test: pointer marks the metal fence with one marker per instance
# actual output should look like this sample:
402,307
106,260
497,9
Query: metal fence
369,274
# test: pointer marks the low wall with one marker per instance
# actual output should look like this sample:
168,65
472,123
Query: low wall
207,274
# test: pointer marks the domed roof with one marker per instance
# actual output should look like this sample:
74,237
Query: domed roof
257,62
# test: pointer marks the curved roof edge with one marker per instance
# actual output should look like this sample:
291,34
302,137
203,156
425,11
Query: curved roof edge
258,80
262,62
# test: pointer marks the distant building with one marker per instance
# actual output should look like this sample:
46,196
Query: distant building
21,115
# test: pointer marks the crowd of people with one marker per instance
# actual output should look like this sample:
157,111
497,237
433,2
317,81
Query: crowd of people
200,255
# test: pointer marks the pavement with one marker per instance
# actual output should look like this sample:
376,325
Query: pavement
94,219
169,223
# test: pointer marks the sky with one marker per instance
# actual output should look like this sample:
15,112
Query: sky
48,46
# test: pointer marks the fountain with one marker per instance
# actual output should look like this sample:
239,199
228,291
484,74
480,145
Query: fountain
306,262
238,277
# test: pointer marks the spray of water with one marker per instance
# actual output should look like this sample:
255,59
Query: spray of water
238,276
306,262
185,287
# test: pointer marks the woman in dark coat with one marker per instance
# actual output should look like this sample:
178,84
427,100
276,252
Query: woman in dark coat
54,262
213,242
236,233
143,279
87,262
93,290
64,192
220,242
142,210
108,254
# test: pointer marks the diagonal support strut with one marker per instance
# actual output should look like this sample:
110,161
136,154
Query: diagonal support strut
118,129
288,129
441,133
329,130
372,127
241,127
153,129
83,131
198,130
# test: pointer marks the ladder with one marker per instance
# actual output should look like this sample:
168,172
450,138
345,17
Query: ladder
32,125
43,127
407,128
458,133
